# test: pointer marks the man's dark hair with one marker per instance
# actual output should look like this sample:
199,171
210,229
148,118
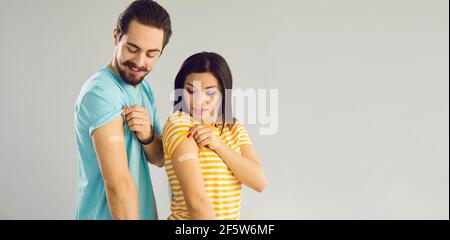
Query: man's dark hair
146,12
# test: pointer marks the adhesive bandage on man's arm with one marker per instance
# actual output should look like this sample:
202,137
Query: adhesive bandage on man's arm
116,139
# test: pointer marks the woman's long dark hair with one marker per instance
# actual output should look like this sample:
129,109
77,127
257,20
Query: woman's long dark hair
216,65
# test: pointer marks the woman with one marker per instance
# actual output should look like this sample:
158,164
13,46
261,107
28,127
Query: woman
208,154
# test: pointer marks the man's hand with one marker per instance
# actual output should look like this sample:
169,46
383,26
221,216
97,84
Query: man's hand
138,120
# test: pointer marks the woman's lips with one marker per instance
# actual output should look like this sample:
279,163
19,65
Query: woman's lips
199,111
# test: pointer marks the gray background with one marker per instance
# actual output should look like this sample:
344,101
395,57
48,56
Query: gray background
363,101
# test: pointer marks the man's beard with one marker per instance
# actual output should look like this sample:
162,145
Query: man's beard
128,78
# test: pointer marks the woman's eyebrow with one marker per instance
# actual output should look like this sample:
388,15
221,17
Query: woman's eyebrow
213,86
190,85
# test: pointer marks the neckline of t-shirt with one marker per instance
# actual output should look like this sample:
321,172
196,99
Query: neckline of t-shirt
216,125
122,83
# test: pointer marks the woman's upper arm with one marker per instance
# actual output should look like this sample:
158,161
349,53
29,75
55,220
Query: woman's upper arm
187,169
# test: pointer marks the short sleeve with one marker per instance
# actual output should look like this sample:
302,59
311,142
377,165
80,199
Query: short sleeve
243,135
99,106
157,124
175,131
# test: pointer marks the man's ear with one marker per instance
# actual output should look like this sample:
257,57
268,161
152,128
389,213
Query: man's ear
115,36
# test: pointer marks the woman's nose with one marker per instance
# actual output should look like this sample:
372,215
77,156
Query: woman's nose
201,100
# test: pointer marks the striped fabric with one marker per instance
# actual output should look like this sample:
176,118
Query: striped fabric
223,188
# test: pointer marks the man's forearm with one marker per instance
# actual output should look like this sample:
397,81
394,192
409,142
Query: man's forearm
154,152
123,200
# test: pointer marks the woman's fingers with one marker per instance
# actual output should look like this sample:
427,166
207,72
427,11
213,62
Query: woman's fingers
201,131
205,142
202,137
194,129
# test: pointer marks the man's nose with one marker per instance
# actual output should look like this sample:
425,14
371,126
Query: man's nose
140,61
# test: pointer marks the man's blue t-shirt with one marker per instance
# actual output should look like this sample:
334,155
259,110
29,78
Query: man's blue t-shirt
101,100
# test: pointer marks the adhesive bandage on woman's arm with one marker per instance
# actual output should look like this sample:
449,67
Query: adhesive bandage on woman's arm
187,156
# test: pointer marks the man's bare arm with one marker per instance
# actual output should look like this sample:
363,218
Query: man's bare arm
119,184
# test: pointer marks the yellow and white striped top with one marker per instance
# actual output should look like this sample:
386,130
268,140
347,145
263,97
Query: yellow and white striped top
223,188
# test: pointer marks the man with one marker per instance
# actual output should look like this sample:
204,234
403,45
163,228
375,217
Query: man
117,127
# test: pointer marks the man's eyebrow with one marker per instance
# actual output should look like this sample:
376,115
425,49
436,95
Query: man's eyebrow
133,45
150,50
154,50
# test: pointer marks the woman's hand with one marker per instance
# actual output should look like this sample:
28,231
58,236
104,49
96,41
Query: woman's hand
205,137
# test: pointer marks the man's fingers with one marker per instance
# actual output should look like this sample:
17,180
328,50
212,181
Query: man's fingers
137,121
134,108
136,128
127,110
136,111
136,124
136,115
